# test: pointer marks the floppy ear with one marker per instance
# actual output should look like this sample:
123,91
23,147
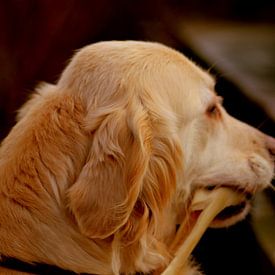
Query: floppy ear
107,189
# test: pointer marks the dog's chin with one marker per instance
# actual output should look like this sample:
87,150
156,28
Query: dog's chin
231,215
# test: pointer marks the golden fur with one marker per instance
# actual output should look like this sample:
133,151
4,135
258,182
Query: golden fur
100,167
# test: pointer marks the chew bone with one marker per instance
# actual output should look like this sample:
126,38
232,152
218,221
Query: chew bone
211,203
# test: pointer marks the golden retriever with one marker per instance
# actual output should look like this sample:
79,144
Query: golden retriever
100,167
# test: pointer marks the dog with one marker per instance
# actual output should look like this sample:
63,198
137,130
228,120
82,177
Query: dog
100,167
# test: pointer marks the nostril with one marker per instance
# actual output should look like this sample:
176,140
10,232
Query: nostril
270,144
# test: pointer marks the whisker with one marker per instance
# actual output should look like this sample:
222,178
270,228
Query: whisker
212,67
216,73
262,123
271,186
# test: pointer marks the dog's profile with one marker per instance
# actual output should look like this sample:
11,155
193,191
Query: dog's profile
100,167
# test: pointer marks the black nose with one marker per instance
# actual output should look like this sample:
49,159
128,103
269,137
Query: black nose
270,144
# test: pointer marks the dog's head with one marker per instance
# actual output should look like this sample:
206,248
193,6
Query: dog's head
120,145
157,132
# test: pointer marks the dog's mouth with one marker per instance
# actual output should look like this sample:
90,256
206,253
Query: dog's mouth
222,206
231,214
231,211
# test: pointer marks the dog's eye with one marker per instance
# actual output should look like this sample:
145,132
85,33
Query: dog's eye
213,110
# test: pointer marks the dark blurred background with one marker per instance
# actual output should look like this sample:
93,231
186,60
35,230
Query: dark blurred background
233,39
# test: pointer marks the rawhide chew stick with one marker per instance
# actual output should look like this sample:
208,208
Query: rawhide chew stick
211,203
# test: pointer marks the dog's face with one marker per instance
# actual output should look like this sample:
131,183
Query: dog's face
168,127
219,150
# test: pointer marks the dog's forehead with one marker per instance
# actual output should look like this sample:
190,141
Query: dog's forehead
208,92
189,88
166,71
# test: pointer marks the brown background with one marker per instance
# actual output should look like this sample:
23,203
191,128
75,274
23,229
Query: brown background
37,37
